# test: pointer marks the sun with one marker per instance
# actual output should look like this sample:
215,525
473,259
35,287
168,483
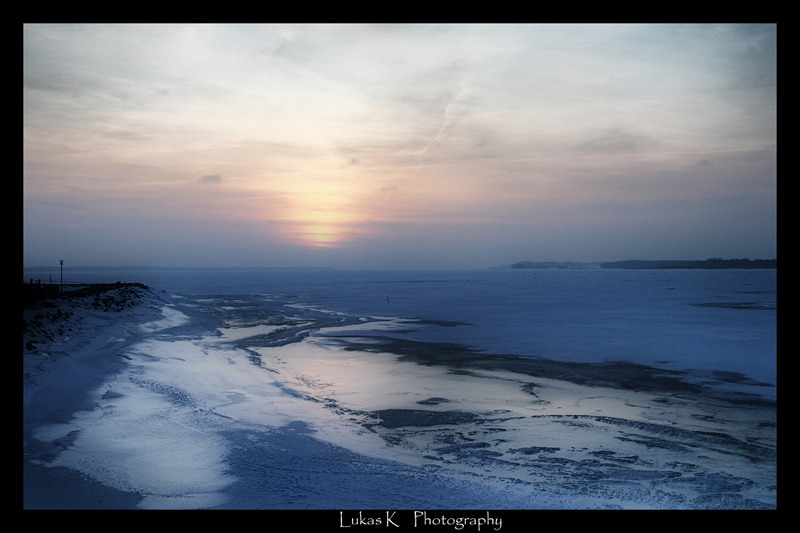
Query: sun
329,226
321,210
321,235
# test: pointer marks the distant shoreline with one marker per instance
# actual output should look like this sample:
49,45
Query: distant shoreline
708,264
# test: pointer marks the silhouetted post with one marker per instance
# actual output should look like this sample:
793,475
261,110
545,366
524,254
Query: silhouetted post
62,274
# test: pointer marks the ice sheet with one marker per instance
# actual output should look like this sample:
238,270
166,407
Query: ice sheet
197,398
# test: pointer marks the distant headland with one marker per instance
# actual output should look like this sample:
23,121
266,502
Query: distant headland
713,263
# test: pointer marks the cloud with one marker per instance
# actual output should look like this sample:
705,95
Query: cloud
617,141
210,178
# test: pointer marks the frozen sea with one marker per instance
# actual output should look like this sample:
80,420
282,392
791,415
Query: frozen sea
474,389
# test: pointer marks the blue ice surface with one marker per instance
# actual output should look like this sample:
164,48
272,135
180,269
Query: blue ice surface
677,320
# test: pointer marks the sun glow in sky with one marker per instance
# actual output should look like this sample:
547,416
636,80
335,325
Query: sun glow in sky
397,146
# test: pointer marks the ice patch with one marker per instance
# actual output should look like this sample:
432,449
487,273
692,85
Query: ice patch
235,334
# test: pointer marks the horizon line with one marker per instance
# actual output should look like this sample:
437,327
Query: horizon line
219,267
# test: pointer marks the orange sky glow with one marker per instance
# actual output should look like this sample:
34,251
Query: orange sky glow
423,146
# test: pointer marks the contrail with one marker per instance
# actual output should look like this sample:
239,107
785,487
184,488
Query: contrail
445,123
448,118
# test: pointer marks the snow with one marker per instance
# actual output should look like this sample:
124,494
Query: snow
266,399
172,318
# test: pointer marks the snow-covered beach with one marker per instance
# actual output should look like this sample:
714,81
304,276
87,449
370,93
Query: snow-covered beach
340,390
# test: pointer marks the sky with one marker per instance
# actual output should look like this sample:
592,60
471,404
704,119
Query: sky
397,146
